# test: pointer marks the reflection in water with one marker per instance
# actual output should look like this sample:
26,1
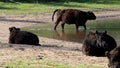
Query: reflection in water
77,36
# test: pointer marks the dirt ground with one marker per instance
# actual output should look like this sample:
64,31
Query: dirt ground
56,50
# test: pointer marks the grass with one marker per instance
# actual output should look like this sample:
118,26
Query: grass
110,23
40,64
44,64
36,8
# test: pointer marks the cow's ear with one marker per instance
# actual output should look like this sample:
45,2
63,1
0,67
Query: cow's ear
97,32
89,11
18,29
105,32
107,54
11,29
15,30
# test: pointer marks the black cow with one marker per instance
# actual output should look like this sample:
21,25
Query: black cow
97,43
114,58
22,37
72,16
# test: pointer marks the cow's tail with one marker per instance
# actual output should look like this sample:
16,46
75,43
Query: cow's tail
54,14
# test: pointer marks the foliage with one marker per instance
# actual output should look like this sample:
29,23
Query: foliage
81,1
28,8
28,1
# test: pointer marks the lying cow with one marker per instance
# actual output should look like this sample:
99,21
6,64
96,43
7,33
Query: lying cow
114,58
97,43
72,16
22,37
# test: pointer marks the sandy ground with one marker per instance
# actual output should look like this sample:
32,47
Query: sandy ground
56,50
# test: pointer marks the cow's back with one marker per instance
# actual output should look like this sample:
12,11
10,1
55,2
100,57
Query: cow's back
72,16
24,37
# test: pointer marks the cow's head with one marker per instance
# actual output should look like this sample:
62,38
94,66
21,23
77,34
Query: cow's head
101,35
114,58
14,29
91,15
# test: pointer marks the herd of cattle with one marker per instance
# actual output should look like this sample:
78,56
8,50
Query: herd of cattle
95,43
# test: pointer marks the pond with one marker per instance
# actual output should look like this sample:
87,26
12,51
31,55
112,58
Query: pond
112,25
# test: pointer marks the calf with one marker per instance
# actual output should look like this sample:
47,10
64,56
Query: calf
72,16
97,43
22,37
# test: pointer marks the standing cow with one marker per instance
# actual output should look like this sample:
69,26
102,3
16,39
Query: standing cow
22,37
97,43
72,16
114,58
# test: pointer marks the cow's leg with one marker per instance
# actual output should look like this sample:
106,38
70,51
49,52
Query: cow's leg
62,25
56,24
84,27
77,26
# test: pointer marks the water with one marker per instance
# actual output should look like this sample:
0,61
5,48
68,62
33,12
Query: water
112,25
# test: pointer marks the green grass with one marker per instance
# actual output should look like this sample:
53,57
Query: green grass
35,8
44,64
110,23
40,64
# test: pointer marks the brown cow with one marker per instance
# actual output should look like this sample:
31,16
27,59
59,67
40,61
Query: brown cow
72,16
97,43
22,37
114,58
